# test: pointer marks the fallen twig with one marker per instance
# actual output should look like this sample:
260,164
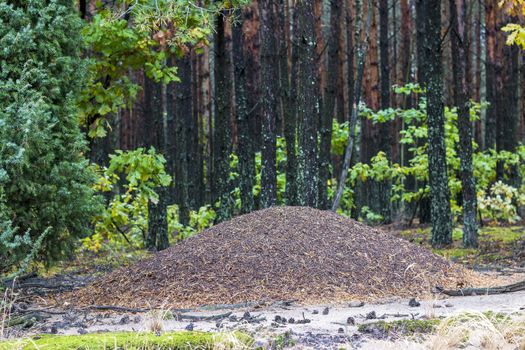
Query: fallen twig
202,318
115,308
515,287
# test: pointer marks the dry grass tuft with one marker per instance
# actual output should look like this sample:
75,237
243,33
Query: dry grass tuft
229,341
480,331
467,330
6,307
155,320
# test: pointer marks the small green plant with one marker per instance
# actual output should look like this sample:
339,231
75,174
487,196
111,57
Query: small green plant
371,217
125,216
501,202
399,327
17,250
199,221
283,341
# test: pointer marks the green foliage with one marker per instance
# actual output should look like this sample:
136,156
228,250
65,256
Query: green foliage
199,221
117,48
399,327
17,250
516,32
414,137
142,37
131,180
45,183
500,203
496,243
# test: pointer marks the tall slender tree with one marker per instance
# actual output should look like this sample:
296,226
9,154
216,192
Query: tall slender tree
180,96
439,192
269,108
287,99
461,88
490,73
333,72
307,120
245,147
222,144
354,108
157,237
385,129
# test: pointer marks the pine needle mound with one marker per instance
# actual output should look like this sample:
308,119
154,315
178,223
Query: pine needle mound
280,253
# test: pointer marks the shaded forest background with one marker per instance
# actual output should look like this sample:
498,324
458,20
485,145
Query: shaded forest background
278,73
152,120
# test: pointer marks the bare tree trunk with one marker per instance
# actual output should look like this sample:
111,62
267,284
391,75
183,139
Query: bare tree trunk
223,111
269,74
157,237
460,47
325,129
307,88
490,63
245,148
287,102
439,192
361,54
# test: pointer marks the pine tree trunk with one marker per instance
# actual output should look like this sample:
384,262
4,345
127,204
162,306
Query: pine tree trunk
421,15
439,192
287,103
305,43
460,46
354,106
385,129
245,144
251,42
490,62
507,118
204,111
157,237
374,195
521,124
325,130
269,105
223,111
183,122
196,160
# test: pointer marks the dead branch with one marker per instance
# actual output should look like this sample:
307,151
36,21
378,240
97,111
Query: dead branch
515,287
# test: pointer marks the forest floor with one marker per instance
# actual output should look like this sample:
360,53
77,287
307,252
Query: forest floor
365,323
356,325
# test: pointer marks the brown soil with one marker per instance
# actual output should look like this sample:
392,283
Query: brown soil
280,253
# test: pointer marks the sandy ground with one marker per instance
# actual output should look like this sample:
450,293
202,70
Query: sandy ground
328,326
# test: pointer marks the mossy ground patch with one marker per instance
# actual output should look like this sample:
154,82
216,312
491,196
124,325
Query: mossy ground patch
132,341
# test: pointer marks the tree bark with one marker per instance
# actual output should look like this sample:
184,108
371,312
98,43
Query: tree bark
490,62
251,42
182,99
439,192
461,89
354,109
305,43
385,129
245,143
286,94
223,110
325,130
269,106
157,237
